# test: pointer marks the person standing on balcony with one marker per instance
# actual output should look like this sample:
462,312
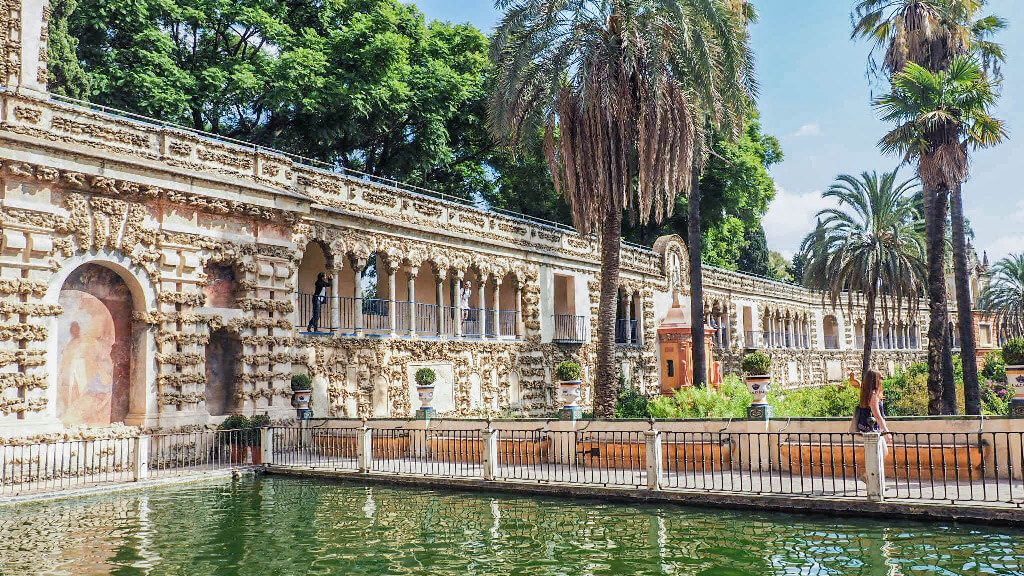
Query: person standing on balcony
869,416
323,282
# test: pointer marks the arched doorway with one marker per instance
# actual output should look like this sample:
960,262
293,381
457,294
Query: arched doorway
95,345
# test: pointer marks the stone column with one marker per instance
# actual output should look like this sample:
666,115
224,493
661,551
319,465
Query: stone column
481,290
29,70
457,284
519,309
392,295
413,272
496,306
335,303
439,298
357,297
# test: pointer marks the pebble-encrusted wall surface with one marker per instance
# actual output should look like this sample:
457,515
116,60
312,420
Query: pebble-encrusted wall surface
126,247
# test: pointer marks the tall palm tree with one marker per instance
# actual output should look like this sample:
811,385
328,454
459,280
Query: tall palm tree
1003,297
625,92
931,33
871,245
939,116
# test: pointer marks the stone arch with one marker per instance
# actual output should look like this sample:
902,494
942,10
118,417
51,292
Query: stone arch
104,359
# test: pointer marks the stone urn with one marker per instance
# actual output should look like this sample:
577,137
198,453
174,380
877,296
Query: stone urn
569,387
302,395
425,378
759,385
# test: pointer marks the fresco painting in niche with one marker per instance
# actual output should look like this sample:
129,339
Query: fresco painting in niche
220,286
94,347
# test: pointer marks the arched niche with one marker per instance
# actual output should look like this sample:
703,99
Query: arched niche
221,287
98,348
223,359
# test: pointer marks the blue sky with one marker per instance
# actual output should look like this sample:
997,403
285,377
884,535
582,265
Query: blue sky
816,99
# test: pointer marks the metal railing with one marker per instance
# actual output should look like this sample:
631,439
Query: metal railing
39,467
750,339
473,322
831,342
64,465
186,453
571,329
307,304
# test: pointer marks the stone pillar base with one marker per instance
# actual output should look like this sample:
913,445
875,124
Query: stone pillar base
573,413
1017,408
759,412
425,413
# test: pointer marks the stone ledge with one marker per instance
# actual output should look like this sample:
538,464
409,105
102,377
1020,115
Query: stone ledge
921,511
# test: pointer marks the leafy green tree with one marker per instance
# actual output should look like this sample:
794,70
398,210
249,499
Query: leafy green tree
736,190
781,268
1004,296
367,84
754,257
66,76
939,116
623,91
869,245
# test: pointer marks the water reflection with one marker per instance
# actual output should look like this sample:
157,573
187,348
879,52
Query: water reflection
279,526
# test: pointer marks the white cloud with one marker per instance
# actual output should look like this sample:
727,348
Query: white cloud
812,129
790,218
1004,245
1018,213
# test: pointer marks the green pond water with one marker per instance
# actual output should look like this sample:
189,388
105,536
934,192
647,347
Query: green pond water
272,526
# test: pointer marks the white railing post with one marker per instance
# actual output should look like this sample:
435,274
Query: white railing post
364,448
267,445
141,461
490,455
654,457
874,467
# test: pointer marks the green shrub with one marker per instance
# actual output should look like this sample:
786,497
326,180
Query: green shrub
632,403
425,377
994,369
729,401
833,401
301,382
906,392
235,422
1013,352
756,363
568,371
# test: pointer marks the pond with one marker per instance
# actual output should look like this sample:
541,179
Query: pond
270,526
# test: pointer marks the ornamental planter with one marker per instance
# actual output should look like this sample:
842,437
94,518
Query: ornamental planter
1015,381
425,392
570,392
300,401
759,385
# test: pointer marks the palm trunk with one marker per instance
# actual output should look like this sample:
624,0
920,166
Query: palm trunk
939,386
965,316
606,378
696,283
869,336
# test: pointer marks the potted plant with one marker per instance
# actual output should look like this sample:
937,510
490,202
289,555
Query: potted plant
568,373
1013,356
425,378
302,393
757,374
234,433
254,437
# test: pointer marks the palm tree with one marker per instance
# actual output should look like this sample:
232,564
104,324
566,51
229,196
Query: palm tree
938,117
871,245
931,33
625,92
1003,297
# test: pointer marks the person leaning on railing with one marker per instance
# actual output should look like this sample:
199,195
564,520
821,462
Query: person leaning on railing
869,415
323,281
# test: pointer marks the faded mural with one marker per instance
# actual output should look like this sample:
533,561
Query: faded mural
220,287
94,347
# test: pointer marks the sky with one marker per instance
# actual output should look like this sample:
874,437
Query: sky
816,99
